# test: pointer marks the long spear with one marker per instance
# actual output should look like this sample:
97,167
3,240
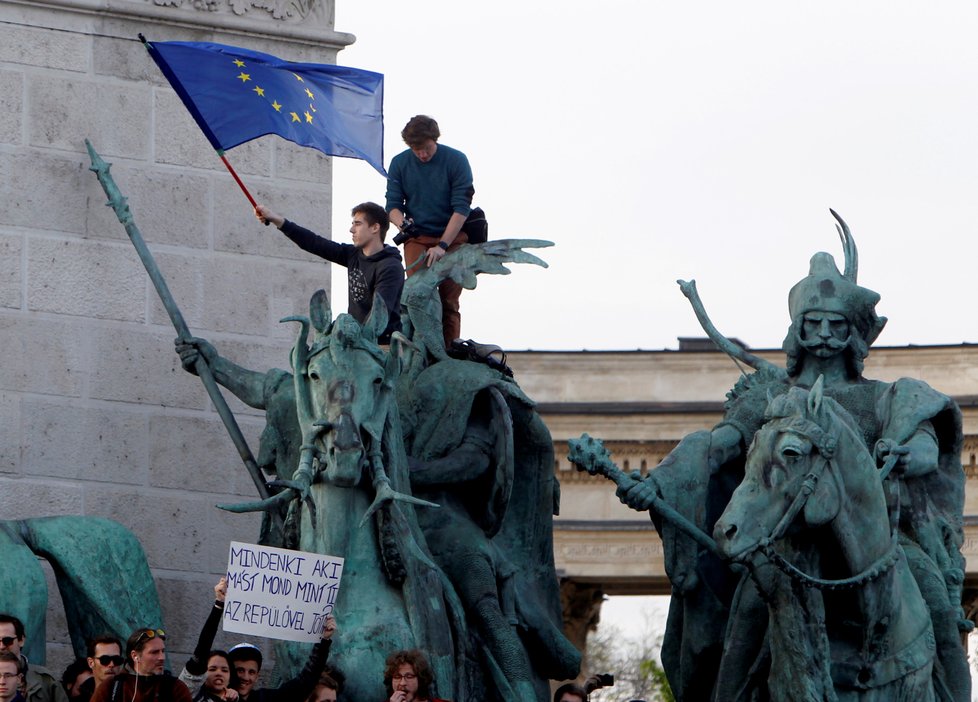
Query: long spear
119,203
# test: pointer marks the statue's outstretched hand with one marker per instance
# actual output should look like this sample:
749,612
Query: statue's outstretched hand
191,349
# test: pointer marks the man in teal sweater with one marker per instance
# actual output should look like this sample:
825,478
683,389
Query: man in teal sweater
431,184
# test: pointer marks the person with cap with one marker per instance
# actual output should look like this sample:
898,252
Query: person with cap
245,660
145,679
833,325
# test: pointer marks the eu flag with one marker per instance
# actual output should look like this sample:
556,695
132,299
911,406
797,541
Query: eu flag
236,95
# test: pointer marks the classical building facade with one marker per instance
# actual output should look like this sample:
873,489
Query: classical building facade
641,403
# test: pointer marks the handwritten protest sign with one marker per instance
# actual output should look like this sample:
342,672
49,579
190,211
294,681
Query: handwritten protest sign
279,594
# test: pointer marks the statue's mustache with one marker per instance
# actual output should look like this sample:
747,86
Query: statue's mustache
830,343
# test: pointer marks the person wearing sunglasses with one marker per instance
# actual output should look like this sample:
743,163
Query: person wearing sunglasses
105,661
408,677
145,679
39,684
11,677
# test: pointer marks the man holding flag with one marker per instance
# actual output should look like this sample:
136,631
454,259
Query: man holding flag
373,267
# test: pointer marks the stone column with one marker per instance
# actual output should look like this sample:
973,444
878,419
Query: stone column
581,605
96,415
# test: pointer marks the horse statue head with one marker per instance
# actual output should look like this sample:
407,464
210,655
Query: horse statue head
806,467
344,386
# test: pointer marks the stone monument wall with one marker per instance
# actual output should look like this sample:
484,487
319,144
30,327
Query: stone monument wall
96,415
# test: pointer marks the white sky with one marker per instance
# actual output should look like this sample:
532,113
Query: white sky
660,140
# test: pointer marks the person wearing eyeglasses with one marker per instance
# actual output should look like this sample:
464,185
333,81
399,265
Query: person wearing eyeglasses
39,684
105,661
144,680
11,677
408,677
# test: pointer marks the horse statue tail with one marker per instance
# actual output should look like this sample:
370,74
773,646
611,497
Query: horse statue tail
23,591
102,573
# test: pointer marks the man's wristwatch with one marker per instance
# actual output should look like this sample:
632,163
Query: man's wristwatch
443,246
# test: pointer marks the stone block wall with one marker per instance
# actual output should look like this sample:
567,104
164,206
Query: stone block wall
96,415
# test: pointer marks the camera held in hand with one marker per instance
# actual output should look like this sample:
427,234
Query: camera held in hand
409,230
598,681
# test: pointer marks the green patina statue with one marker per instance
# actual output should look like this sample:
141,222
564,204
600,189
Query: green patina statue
431,476
845,505
101,571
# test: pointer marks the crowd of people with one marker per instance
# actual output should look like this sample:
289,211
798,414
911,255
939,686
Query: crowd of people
209,675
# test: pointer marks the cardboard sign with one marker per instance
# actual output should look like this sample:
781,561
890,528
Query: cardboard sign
279,594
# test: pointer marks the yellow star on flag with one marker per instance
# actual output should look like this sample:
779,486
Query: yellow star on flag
309,93
244,77
260,90
239,63
308,117
295,117
276,105
298,78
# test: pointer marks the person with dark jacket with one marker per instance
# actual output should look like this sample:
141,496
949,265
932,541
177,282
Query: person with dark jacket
373,268
245,662
144,680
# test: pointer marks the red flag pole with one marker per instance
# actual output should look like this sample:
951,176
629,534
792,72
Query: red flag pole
237,180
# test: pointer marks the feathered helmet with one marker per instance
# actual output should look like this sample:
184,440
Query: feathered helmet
827,290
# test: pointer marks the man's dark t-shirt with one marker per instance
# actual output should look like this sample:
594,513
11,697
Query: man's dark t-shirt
368,275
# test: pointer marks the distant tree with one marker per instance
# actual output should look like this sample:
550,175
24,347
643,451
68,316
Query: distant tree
634,661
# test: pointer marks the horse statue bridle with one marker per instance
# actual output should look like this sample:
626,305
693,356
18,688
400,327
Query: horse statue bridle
826,445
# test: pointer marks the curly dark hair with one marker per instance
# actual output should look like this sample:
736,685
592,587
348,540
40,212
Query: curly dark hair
416,659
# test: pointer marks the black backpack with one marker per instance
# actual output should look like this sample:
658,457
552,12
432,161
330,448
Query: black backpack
476,227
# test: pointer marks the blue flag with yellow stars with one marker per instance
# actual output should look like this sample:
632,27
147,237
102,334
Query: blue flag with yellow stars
236,95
